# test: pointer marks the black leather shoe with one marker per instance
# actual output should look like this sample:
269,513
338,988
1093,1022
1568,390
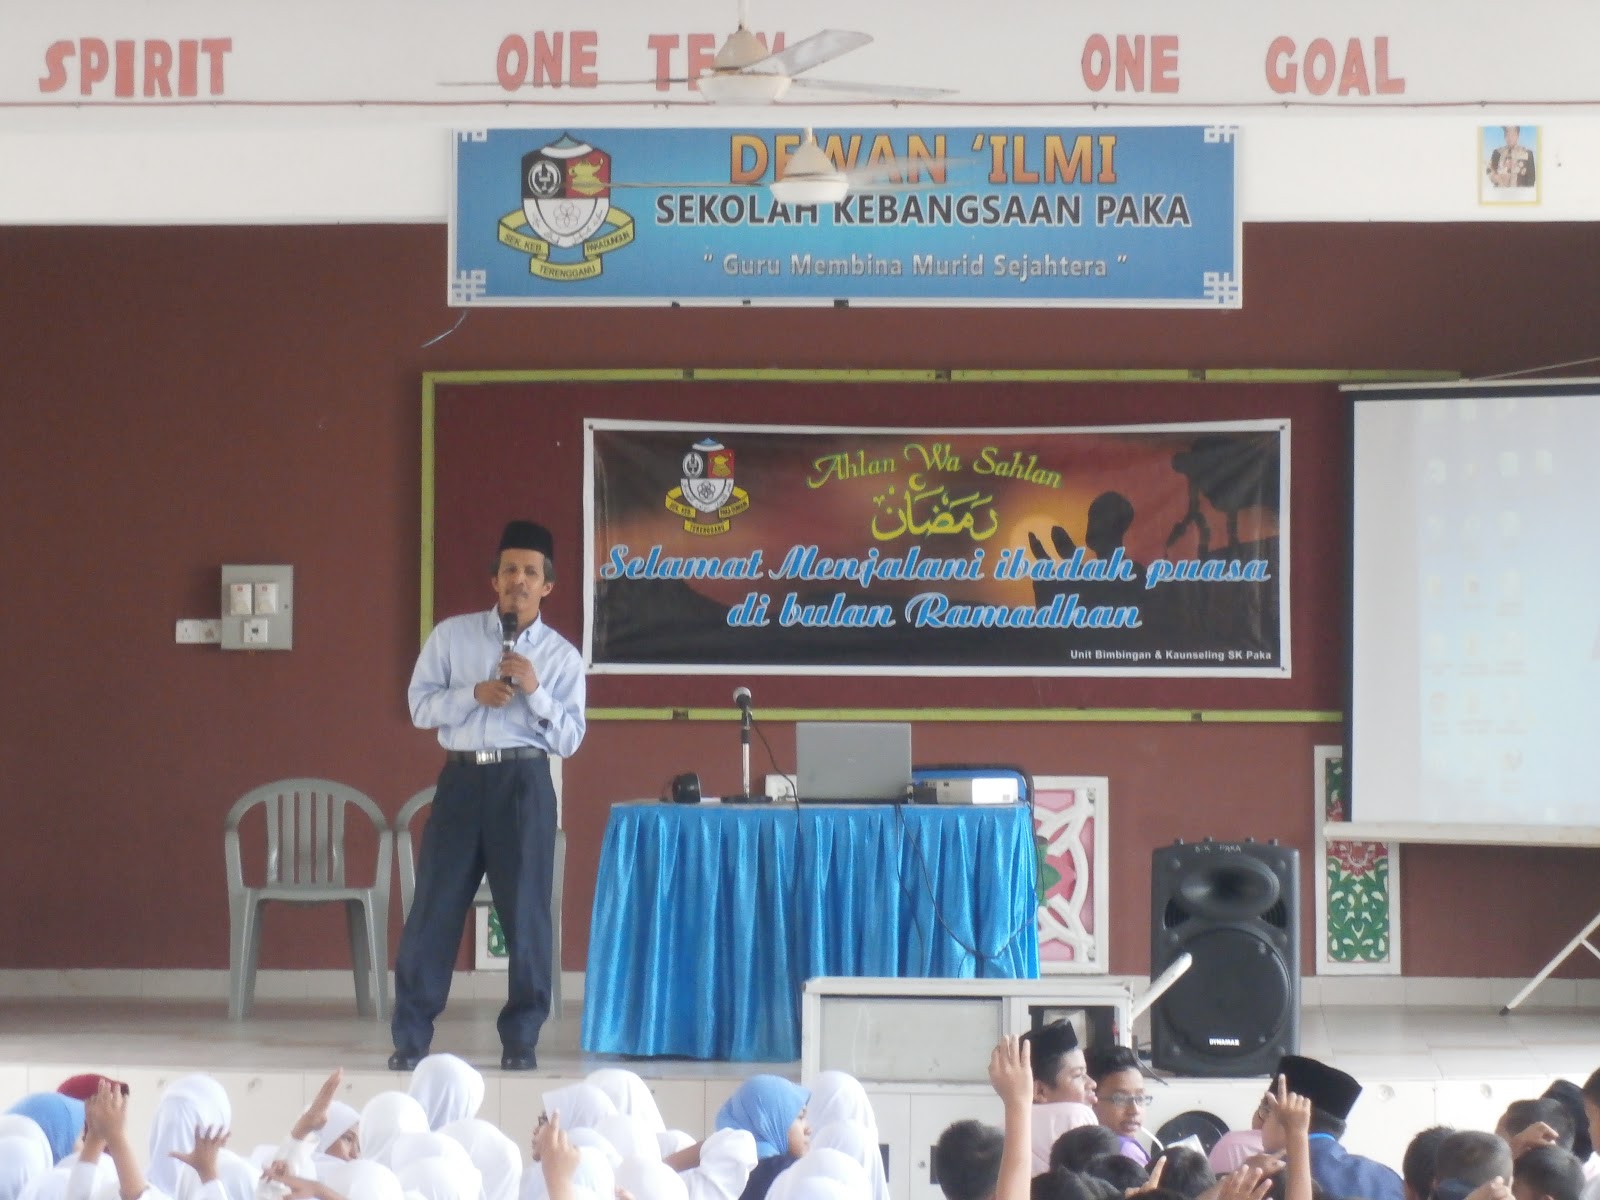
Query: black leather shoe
404,1060
518,1058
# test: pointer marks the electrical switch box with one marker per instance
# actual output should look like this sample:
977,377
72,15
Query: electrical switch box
257,607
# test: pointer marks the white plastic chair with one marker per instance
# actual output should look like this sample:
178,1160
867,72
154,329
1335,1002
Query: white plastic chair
558,872
305,864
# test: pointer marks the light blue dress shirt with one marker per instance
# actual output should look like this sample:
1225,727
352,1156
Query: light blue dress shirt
462,652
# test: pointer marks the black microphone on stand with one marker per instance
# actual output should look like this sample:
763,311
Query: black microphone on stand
508,638
741,697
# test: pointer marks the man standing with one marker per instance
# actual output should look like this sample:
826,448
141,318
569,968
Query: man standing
505,691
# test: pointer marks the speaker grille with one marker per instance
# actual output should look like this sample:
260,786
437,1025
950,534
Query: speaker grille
1236,1004
1175,915
1277,916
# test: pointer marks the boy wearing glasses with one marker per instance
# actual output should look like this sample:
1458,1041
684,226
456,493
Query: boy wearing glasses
1120,1099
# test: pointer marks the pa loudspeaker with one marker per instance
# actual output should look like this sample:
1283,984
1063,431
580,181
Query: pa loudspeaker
1235,907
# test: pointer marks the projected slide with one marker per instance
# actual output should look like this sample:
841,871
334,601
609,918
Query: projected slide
1476,617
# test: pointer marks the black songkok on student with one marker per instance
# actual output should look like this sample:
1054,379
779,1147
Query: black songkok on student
1058,1037
1328,1088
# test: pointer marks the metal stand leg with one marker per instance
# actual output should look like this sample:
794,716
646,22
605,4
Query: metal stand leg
1581,940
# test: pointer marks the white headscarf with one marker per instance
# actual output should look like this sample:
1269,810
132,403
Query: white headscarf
442,1179
14,1125
631,1138
494,1154
386,1117
448,1088
849,1138
836,1096
190,1103
236,1180
341,1120
110,1189
22,1159
726,1159
630,1094
53,1184
593,1139
594,1174
411,1148
820,1187
833,1166
651,1179
363,1179
579,1105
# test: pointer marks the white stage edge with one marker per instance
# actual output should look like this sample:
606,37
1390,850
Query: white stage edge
1448,1057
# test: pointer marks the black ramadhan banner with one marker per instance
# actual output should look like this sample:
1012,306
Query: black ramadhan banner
1140,550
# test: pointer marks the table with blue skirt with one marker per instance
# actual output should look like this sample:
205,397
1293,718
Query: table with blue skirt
708,919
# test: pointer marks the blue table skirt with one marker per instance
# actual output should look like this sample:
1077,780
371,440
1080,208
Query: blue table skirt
708,920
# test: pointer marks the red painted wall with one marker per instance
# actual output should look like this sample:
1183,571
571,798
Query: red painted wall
180,398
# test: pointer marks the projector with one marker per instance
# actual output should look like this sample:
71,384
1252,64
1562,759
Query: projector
966,789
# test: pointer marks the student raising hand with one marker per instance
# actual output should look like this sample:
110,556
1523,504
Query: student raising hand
1537,1134
1250,1180
316,1114
297,1187
1011,1074
1291,1113
1292,1110
203,1157
557,1157
1152,1183
1011,1071
105,1117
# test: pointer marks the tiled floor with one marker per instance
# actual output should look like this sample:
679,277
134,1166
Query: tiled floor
1458,1065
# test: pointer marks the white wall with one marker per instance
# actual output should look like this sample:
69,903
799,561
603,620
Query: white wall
1334,168
301,111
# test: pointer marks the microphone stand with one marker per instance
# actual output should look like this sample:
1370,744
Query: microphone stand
745,796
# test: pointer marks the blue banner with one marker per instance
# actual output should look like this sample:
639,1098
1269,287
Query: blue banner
973,216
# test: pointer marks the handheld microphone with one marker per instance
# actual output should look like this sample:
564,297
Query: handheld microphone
508,637
741,697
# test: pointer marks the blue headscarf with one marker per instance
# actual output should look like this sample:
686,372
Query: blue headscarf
765,1106
61,1118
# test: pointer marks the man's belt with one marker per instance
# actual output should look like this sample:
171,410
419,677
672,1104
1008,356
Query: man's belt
485,757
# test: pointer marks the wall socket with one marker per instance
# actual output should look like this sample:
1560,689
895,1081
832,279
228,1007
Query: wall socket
199,632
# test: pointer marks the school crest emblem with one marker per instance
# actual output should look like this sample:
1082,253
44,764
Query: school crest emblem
566,205
706,496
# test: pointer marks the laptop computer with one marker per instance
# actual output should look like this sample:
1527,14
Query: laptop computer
853,762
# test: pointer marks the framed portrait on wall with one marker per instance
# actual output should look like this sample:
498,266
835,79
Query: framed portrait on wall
1508,164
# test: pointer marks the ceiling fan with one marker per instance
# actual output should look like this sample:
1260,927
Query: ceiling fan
743,72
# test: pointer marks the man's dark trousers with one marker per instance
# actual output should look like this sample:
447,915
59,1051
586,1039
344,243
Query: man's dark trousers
499,819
